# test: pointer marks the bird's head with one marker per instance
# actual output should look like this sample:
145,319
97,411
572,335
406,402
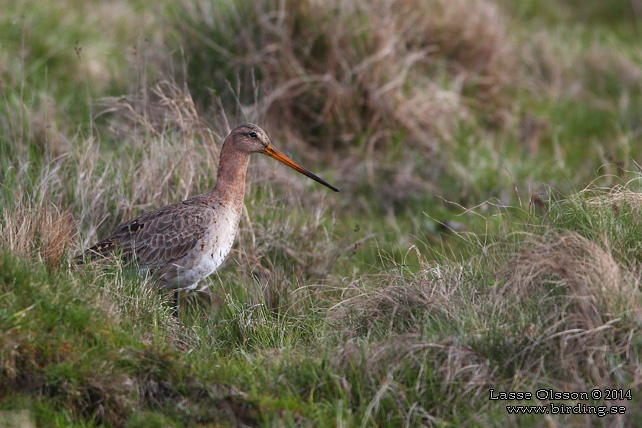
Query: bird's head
249,138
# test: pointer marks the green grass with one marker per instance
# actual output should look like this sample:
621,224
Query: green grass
399,339
486,234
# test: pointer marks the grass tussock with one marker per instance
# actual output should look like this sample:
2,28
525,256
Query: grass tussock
339,82
589,304
41,230
335,68
546,307
394,304
453,83
166,136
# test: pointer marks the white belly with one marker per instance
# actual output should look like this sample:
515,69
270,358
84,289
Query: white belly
207,265
217,246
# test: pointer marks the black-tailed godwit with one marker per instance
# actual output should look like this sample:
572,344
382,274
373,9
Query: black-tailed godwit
183,243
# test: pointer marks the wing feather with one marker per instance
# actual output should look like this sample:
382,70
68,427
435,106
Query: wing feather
158,237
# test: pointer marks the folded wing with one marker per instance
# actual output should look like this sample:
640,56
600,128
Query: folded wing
158,237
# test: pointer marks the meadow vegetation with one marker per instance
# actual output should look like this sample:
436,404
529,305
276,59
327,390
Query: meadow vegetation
487,234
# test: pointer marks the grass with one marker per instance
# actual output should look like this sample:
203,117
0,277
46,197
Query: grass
486,235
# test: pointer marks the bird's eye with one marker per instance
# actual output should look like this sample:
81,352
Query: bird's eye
253,135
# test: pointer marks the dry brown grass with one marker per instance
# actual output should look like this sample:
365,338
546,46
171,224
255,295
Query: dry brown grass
589,305
428,320
352,79
550,308
617,197
344,82
385,80
464,374
394,304
40,230
164,153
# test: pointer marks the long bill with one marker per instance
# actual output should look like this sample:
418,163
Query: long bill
275,154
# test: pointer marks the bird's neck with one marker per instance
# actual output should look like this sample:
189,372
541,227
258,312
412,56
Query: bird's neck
230,182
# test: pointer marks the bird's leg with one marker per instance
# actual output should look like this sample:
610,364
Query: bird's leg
177,294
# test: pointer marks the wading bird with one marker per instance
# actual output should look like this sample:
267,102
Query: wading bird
183,243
